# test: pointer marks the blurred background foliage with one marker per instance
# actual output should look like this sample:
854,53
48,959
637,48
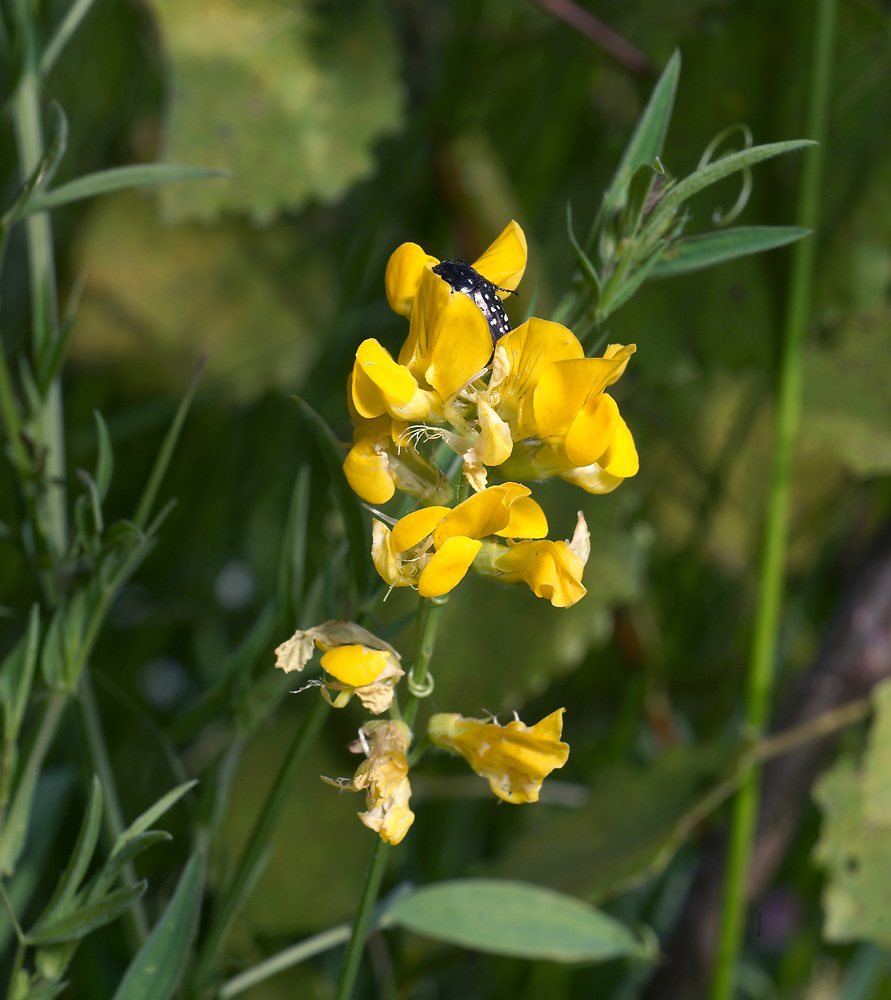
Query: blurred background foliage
349,128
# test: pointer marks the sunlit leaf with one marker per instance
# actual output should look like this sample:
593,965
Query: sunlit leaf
514,918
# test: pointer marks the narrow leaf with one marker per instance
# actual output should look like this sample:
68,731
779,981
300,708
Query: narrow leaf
718,170
85,920
697,252
162,460
347,501
144,821
156,970
649,135
118,179
514,918
53,354
120,859
80,859
45,169
16,675
70,23
95,502
292,563
589,272
105,459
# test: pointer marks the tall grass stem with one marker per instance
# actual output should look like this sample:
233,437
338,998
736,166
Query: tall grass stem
763,654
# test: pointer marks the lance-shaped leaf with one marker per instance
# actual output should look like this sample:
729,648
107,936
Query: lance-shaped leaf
88,918
697,252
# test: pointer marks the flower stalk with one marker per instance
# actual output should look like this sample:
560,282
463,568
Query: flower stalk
763,655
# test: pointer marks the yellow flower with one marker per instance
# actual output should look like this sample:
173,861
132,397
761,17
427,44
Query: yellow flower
383,459
359,663
552,570
432,548
515,759
384,777
503,264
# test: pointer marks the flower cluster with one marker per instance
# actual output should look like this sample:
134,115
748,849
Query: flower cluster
516,404
515,758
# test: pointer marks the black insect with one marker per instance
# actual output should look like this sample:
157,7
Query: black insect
463,278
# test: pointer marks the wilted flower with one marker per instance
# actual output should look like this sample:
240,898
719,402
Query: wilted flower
359,663
515,759
384,777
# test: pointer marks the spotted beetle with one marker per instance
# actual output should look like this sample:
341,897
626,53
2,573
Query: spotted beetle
465,279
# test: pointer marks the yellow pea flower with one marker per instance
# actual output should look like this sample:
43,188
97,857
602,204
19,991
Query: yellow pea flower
515,759
504,264
383,775
552,570
359,662
432,548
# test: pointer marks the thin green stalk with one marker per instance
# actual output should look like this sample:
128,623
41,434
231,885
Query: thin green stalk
420,685
42,270
112,815
374,876
773,556
9,412
248,864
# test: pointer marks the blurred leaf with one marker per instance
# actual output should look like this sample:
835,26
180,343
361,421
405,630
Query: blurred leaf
649,135
292,564
291,96
719,169
145,820
855,839
119,859
846,398
117,179
53,354
634,820
349,505
156,970
514,918
62,35
81,855
16,675
56,145
60,657
105,459
697,252
157,297
88,918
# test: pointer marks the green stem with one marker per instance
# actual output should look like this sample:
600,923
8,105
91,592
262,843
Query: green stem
762,660
420,680
252,856
112,815
374,876
42,270
9,412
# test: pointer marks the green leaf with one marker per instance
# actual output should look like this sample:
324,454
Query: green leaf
95,507
145,820
16,675
697,252
105,459
718,170
649,135
61,36
347,502
855,839
120,859
80,858
293,111
46,168
117,179
516,919
53,354
157,968
88,918
292,563
589,271
61,658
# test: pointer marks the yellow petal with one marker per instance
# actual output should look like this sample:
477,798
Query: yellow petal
367,473
495,444
527,520
563,389
403,275
415,527
621,353
460,347
355,665
482,514
504,263
384,556
398,390
623,461
550,569
448,566
593,430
